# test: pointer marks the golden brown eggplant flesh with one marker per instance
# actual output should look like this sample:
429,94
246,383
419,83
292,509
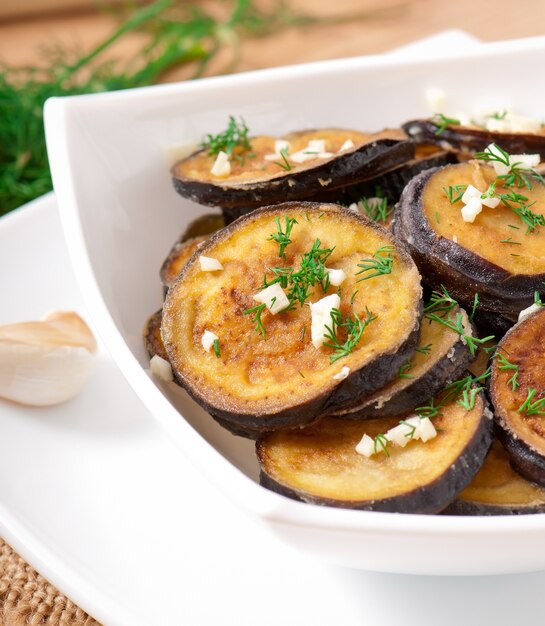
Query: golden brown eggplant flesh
258,384
441,357
319,464
518,402
470,139
255,181
498,490
177,258
503,265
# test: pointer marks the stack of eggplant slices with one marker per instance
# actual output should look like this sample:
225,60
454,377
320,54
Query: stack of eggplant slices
367,307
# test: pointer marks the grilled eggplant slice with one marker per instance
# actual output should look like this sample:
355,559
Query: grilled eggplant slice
152,336
203,225
319,464
517,394
178,257
255,181
504,265
258,384
440,358
498,490
470,139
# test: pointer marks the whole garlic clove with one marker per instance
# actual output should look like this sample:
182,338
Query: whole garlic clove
45,362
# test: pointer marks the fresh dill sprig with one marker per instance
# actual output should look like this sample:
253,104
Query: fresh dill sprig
233,137
475,304
517,175
430,410
442,121
511,241
282,237
532,408
380,264
352,330
503,365
217,347
424,349
454,193
440,302
457,325
311,272
257,311
377,207
285,165
382,441
404,369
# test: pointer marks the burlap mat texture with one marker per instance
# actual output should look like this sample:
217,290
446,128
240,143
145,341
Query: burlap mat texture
27,599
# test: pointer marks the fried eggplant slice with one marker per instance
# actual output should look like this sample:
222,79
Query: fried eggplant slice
152,336
517,391
260,178
498,490
499,256
470,139
320,465
267,372
177,258
441,357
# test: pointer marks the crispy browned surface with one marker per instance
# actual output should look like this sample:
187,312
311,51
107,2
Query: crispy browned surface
256,168
497,484
152,336
524,346
483,237
259,377
320,463
178,257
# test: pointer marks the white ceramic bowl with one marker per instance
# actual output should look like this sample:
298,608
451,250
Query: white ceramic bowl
121,215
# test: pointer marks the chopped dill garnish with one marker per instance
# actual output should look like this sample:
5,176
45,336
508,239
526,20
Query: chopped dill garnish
234,136
406,367
437,217
352,329
424,349
532,408
301,373
442,121
382,441
311,272
440,302
303,332
454,192
512,241
513,226
380,264
377,207
353,296
281,237
517,176
257,311
285,165
217,347
503,364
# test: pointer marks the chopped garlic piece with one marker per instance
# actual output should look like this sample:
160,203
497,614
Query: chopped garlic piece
279,146
455,238
336,277
207,340
222,165
526,161
491,203
513,123
470,193
400,435
342,374
161,369
274,298
426,430
526,312
314,150
316,145
471,210
209,264
321,317
366,447
347,145
354,207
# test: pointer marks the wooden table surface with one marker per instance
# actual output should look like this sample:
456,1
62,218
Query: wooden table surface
396,22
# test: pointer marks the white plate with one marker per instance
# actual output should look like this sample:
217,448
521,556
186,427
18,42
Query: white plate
95,496
120,216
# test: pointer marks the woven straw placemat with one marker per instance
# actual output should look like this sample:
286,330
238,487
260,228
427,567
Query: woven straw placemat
27,599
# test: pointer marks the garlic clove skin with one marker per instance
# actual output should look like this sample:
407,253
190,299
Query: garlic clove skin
45,362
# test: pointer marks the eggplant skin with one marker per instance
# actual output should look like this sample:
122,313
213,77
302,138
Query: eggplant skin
362,381
524,459
466,508
428,499
152,336
369,161
466,273
467,139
